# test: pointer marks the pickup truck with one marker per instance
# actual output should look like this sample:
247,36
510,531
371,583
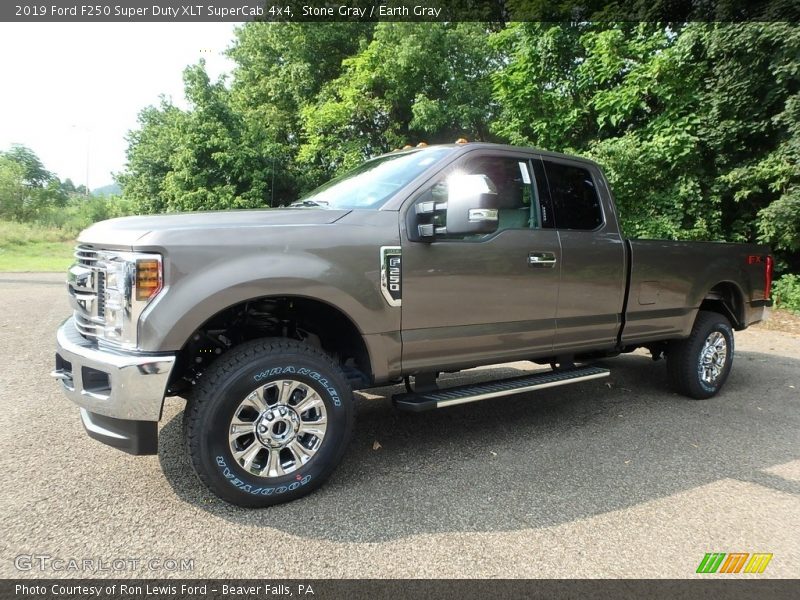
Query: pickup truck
425,260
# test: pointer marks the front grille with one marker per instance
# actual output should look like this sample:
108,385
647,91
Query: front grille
86,283
86,255
101,294
85,326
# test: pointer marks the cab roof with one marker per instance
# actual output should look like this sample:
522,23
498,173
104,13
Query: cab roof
470,146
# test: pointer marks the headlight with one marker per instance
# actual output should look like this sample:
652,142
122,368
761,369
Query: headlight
132,280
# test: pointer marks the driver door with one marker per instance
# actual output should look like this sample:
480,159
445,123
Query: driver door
481,298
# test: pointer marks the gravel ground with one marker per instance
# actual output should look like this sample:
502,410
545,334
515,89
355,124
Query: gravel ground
608,478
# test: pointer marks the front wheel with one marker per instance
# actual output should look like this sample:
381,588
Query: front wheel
269,422
699,365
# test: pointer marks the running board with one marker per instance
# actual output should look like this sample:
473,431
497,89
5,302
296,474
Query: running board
494,389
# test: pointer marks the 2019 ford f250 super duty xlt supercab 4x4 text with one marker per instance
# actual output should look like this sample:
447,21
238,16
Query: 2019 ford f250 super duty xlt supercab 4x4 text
417,262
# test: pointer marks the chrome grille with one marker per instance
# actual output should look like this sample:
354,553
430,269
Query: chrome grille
101,294
85,255
86,286
85,326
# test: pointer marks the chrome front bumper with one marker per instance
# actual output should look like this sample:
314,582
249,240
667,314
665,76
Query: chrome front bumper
121,395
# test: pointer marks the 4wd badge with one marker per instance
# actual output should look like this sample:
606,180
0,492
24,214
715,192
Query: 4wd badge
392,275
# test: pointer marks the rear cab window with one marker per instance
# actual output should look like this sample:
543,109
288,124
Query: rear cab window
574,196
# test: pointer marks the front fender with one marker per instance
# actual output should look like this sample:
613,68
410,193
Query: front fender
194,296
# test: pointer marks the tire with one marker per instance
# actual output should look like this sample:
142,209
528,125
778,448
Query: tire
688,373
245,395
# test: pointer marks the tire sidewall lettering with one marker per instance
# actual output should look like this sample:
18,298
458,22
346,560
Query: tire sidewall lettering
249,488
315,375
231,472
248,369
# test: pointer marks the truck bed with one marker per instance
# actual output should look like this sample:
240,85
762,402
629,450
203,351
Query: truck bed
668,281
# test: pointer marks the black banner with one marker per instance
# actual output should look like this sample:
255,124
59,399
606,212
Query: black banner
395,589
397,10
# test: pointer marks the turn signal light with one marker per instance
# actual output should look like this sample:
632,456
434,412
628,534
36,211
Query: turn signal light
148,278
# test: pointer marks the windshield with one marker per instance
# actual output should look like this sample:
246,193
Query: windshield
369,185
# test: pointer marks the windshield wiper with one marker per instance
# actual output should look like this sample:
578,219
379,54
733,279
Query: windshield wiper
309,203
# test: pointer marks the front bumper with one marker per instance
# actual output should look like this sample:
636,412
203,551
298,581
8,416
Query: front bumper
120,394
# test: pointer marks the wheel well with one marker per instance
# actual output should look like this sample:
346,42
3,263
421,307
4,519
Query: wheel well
726,298
293,317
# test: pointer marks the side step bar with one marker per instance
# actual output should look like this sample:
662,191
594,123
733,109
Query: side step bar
494,389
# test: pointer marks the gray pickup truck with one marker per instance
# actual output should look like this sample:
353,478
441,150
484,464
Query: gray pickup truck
422,261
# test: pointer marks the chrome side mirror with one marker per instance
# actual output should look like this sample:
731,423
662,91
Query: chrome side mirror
471,205
463,204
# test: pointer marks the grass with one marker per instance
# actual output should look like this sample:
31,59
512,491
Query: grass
25,247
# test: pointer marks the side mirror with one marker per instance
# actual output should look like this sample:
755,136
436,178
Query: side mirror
461,205
471,205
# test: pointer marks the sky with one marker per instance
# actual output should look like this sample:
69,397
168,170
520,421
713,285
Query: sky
71,92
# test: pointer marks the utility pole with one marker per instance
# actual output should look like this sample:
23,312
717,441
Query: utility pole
88,133
272,186
88,142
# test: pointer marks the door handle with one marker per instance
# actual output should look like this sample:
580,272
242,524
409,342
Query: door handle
542,260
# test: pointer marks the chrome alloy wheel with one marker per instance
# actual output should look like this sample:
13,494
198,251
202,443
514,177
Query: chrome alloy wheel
277,428
713,357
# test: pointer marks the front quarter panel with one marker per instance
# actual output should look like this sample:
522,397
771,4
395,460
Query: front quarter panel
336,263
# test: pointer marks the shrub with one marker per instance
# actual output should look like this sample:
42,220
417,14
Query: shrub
19,234
786,292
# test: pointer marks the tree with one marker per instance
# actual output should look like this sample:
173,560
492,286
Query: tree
696,124
34,173
27,189
413,81
281,68
752,125
12,188
68,186
236,148
150,154
207,165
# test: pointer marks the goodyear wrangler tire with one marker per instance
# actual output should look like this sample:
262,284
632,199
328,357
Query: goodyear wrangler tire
699,365
269,422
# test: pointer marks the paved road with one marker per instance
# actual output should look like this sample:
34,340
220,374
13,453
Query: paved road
615,478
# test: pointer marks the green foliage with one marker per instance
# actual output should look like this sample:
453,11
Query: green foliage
206,169
538,88
20,234
33,172
27,189
697,125
786,292
32,247
12,188
779,222
752,92
35,207
150,152
191,160
412,81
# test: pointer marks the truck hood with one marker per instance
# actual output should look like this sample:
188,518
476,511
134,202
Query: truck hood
126,232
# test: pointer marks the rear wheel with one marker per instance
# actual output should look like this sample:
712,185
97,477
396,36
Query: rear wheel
269,422
699,365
